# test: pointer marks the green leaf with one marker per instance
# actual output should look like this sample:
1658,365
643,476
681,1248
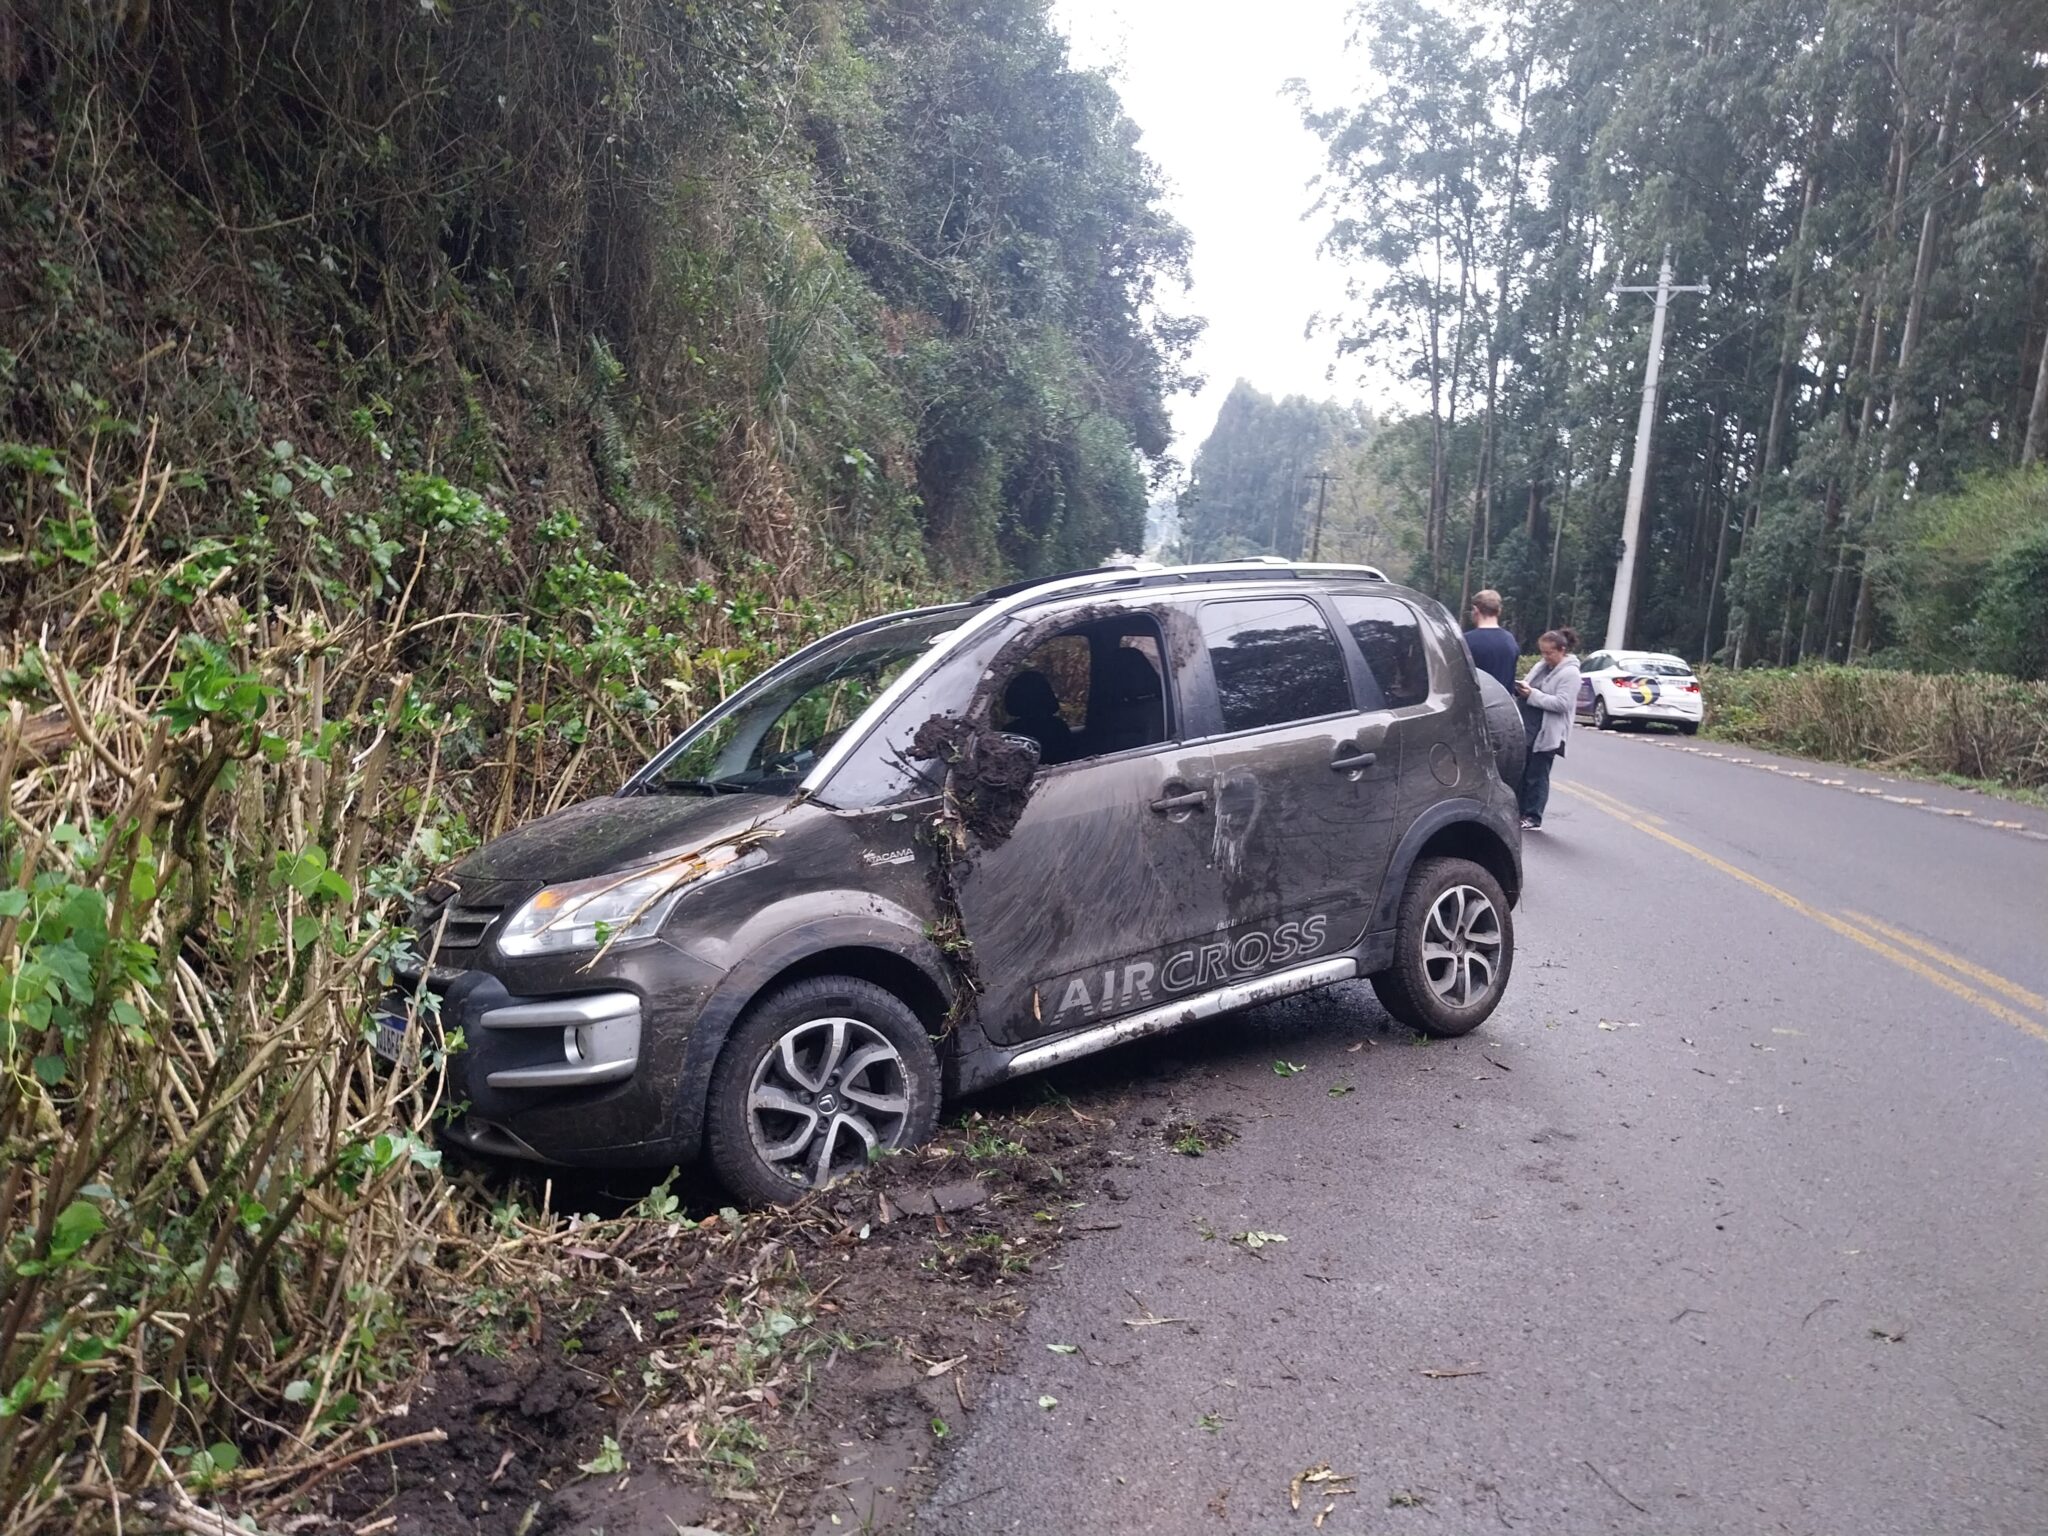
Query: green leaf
76,1225
13,903
606,1462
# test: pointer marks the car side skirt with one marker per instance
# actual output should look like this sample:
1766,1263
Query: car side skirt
1187,1010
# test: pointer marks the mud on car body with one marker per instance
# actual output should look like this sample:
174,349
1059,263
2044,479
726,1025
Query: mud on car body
951,846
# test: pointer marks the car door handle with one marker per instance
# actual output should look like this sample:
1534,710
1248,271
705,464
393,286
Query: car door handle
1193,800
1354,762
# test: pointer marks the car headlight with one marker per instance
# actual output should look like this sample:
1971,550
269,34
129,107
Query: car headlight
592,914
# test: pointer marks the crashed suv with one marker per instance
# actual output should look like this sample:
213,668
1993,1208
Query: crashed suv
956,845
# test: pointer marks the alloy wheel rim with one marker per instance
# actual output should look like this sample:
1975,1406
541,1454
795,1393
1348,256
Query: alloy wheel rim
825,1098
1461,946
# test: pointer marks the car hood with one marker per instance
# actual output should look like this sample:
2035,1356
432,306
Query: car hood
599,837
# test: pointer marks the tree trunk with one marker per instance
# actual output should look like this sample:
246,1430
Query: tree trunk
2037,418
1814,631
1735,641
1895,416
1838,586
1482,489
1795,329
1451,404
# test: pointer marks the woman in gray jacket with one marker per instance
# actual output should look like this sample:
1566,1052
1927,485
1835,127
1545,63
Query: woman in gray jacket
1549,695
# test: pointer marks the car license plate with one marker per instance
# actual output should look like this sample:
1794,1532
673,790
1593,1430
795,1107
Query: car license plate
389,1040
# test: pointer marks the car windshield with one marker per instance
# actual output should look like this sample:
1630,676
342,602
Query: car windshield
772,738
1655,666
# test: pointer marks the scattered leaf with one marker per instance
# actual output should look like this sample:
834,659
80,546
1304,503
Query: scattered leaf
606,1462
1287,1068
1453,1372
1338,1090
1322,1480
1064,1349
1254,1241
1048,1402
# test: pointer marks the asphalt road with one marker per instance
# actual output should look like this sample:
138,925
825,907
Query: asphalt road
1733,1219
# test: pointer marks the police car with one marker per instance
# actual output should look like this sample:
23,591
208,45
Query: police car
1617,686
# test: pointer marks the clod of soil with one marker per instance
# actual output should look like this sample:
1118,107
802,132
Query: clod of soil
1193,1138
989,776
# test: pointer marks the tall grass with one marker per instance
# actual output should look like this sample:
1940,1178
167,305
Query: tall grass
1972,724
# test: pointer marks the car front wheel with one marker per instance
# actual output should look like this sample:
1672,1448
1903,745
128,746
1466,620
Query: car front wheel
819,1078
1453,949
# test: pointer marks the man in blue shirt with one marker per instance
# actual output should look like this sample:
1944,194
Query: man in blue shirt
1492,648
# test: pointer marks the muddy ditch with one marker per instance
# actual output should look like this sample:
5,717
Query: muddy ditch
757,1374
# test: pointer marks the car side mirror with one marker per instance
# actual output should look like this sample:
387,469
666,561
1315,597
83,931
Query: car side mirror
1015,746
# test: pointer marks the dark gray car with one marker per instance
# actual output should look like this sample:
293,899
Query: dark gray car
956,845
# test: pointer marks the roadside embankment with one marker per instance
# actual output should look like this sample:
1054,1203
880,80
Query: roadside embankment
1971,725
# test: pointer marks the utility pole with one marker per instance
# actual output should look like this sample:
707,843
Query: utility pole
1322,478
1639,472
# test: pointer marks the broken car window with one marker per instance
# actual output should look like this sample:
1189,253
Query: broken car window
1088,692
1275,660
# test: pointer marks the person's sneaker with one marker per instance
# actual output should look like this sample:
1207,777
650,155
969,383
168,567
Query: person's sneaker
1531,826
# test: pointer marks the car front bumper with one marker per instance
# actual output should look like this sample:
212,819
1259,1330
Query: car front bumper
569,1068
1621,706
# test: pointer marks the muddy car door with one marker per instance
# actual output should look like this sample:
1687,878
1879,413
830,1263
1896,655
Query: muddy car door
1425,734
1074,914
1306,779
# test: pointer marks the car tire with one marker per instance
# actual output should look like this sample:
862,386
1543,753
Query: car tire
818,1077
1422,989
1602,721
1688,727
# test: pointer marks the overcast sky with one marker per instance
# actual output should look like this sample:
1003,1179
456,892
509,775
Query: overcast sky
1202,79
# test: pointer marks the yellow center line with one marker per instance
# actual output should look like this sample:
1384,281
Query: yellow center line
1976,973
1613,806
1621,811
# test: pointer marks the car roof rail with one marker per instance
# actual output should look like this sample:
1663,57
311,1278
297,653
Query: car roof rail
1012,588
1150,574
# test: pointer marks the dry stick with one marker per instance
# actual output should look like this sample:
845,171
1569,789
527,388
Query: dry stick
61,686
373,776
1631,1503
272,1478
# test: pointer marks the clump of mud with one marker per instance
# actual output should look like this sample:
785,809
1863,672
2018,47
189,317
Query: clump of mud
988,775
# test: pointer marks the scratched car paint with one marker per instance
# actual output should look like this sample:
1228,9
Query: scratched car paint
949,847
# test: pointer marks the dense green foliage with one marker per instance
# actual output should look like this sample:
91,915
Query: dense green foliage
1252,489
412,415
1861,182
798,281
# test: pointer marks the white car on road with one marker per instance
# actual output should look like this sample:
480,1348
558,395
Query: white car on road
1639,685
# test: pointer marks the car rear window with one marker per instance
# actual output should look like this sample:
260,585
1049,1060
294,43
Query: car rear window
1656,666
1275,660
1391,638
